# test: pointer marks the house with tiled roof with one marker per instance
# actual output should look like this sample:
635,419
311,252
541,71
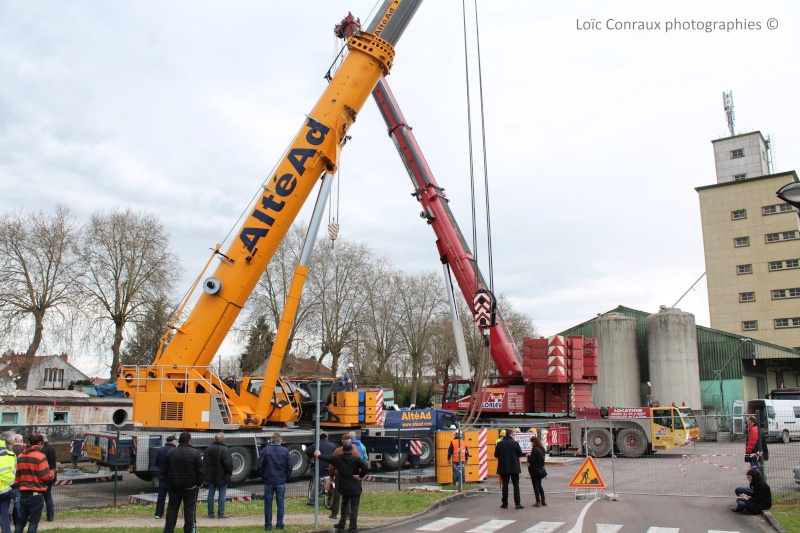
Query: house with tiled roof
49,372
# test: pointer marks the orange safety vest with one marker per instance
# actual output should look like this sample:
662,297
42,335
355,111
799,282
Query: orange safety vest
459,451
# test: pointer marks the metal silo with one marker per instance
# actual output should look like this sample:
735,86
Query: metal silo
672,356
618,379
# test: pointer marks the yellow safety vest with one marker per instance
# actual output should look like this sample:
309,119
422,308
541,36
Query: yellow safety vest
8,468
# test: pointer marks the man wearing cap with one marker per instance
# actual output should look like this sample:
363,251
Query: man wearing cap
351,469
350,378
337,494
457,453
33,476
161,461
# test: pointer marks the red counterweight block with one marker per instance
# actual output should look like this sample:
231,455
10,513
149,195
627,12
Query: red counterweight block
575,357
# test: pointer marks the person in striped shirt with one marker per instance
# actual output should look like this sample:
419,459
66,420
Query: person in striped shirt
33,475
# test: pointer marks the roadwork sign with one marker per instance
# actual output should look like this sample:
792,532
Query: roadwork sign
587,477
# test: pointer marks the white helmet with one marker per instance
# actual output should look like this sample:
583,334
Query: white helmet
350,365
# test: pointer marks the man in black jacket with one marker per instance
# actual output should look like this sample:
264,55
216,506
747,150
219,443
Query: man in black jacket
351,469
508,453
161,462
184,474
218,465
50,453
326,447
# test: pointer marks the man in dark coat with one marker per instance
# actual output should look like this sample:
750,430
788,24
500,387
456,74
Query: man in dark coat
218,465
508,453
351,469
50,453
275,467
161,463
184,474
326,447
337,494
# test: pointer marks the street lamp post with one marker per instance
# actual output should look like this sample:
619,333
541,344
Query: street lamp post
791,195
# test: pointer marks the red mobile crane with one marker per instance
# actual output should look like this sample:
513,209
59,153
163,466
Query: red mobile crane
552,379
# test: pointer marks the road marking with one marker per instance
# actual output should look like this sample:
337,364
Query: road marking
664,530
491,526
578,528
439,525
608,528
720,531
544,527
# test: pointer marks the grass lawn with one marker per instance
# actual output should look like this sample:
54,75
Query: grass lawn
786,509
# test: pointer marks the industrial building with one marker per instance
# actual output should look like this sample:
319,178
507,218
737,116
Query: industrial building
666,357
751,240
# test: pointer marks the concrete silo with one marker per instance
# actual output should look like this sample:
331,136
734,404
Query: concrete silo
673,359
618,379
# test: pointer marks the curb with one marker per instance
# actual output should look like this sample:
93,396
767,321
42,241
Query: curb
771,520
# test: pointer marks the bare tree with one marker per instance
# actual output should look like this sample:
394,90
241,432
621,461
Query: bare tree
379,330
335,281
39,272
519,324
128,264
422,298
443,353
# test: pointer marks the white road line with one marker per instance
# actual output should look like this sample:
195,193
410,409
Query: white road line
664,530
578,528
544,527
608,528
439,525
491,526
720,531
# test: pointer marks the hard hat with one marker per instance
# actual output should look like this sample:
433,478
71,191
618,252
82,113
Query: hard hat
533,430
350,365
502,432
453,427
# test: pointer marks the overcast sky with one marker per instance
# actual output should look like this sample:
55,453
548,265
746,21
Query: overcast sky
596,138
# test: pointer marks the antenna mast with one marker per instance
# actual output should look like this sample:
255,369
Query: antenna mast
727,100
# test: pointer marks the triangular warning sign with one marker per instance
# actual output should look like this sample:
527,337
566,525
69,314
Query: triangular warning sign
587,477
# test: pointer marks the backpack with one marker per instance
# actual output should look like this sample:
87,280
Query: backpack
362,450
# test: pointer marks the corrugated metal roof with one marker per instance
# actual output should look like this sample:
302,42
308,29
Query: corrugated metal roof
43,394
715,349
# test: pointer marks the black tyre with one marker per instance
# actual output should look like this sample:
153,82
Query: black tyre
242,464
632,442
145,476
327,500
599,442
299,460
428,452
393,461
785,437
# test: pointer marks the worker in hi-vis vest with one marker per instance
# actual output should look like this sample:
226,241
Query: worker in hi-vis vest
457,453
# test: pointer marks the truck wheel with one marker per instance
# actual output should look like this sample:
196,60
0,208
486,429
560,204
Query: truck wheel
599,442
299,460
393,461
242,464
631,442
785,438
428,452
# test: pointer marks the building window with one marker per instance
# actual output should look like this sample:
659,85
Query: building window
781,323
747,297
9,418
793,263
739,214
739,152
739,177
769,210
744,269
53,378
776,265
773,237
741,241
59,417
780,294
781,236
750,325
789,235
785,208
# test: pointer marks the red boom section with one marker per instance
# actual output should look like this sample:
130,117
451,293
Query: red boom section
453,248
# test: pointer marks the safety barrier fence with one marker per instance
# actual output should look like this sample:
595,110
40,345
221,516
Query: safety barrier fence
708,468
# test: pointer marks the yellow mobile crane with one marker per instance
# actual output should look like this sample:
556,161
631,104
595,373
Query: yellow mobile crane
177,391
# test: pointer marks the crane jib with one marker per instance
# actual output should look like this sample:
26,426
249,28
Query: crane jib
283,187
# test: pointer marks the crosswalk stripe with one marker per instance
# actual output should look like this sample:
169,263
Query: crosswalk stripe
491,526
441,524
544,527
720,531
664,530
608,528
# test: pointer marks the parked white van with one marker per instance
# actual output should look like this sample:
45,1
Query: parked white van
782,417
